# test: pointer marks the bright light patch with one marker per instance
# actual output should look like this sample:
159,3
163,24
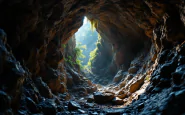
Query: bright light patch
85,20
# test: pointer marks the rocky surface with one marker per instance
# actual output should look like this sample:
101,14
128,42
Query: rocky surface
145,45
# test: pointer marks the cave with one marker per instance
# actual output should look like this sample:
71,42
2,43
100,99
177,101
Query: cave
139,66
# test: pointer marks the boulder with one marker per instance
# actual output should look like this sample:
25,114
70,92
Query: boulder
102,97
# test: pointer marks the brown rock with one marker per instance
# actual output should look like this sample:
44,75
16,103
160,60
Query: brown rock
122,94
136,85
55,85
62,88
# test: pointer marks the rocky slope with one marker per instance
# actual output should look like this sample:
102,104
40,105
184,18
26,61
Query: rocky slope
146,35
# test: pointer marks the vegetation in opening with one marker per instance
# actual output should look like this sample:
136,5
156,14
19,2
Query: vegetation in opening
79,54
86,36
94,53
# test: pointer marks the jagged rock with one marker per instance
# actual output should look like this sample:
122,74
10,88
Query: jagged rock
132,70
43,88
163,56
156,79
122,94
69,80
75,75
136,85
117,101
72,105
90,99
55,85
114,111
167,69
101,97
62,88
88,105
120,75
48,107
91,89
182,49
81,111
181,60
156,90
126,80
81,91
65,96
31,105
5,101
164,82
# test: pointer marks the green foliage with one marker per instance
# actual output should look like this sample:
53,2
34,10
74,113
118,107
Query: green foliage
79,54
63,45
69,60
93,55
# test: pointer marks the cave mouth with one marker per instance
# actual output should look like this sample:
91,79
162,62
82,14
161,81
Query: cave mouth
86,41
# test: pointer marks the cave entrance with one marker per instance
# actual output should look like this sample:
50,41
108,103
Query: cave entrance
86,43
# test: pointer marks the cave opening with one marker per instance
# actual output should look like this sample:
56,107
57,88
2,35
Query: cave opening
86,41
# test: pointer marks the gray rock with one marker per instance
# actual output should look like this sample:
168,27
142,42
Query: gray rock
72,105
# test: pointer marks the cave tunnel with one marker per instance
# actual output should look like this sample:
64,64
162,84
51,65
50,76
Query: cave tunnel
138,66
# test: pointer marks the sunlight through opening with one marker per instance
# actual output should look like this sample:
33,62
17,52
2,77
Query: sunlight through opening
86,40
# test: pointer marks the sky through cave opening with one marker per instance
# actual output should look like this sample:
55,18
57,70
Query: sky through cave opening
86,40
